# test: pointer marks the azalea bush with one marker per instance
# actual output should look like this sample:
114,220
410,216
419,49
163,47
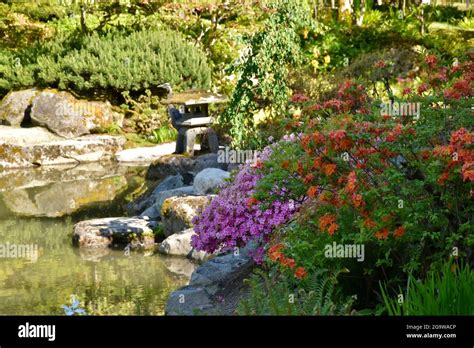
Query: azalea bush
234,217
401,185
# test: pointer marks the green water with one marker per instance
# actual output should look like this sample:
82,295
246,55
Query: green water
38,208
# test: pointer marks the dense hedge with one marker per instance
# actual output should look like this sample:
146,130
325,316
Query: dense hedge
107,65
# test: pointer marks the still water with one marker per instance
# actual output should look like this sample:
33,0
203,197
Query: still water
40,269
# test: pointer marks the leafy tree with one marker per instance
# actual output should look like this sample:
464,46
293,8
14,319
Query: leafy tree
264,69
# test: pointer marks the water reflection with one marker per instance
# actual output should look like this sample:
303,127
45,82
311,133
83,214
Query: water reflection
111,282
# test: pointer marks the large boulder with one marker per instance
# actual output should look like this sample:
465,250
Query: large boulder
26,178
180,164
62,198
215,286
177,212
15,106
30,147
154,211
179,244
113,232
208,180
69,117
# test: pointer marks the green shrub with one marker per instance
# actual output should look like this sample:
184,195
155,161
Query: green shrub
109,65
164,134
448,290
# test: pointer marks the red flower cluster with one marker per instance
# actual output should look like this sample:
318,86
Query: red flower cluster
431,60
328,222
275,254
458,155
351,98
298,98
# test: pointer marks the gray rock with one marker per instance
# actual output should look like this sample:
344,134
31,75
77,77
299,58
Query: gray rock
180,164
215,286
62,198
169,165
113,232
148,199
170,183
69,117
189,301
209,160
179,244
26,136
15,105
208,180
154,212
225,268
177,212
151,213
27,178
30,147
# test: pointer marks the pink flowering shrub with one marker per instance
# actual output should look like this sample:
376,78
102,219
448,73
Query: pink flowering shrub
235,218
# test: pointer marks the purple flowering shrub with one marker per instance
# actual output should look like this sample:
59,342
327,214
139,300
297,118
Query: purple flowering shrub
235,218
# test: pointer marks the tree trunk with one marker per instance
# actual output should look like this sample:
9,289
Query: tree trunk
83,20
422,19
360,19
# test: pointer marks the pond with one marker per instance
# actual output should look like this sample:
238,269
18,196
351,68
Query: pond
40,269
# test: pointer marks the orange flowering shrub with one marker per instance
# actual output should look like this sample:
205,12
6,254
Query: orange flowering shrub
399,184
275,254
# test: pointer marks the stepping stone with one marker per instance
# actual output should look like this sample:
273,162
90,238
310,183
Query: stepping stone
113,232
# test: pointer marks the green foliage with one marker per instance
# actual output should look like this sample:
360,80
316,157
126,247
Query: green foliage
145,114
466,23
159,232
109,65
216,27
275,294
164,134
43,11
17,30
448,290
448,14
384,29
263,71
